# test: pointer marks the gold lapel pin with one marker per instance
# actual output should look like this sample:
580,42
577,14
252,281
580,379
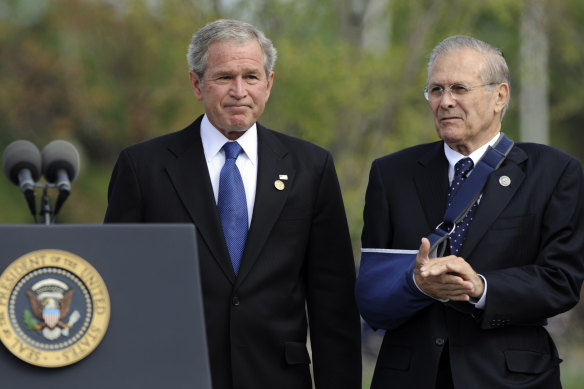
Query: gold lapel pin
279,185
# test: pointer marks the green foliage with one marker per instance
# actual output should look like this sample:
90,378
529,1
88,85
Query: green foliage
106,74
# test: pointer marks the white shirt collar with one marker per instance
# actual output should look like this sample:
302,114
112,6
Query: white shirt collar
454,156
213,140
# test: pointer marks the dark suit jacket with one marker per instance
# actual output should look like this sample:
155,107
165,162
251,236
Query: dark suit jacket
297,266
526,239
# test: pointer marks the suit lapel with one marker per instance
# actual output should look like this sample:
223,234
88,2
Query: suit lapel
269,201
495,198
189,175
432,184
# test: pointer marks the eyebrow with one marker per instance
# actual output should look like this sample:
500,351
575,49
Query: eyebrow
462,83
221,73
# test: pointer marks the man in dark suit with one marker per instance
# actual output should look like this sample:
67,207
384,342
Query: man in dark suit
521,261
295,266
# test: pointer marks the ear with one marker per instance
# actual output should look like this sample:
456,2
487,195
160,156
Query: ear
270,82
196,85
501,96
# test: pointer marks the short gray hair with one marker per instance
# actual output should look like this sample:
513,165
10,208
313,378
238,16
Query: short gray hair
227,30
496,69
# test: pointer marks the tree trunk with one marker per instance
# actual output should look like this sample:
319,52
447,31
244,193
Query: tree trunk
534,104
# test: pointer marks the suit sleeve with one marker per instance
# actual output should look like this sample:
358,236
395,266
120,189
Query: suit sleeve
550,284
124,197
333,317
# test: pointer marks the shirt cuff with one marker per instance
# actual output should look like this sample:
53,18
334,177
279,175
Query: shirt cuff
480,303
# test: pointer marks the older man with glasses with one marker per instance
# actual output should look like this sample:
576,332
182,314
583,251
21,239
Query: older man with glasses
474,315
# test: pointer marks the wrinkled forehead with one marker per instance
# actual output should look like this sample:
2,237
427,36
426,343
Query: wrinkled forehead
460,66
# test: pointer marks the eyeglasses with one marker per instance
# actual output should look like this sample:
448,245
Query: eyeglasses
434,93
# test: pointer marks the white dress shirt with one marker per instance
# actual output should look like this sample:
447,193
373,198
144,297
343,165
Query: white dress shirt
247,162
454,156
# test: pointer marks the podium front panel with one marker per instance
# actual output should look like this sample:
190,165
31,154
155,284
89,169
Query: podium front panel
156,332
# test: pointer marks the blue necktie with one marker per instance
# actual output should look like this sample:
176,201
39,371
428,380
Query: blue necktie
232,205
461,170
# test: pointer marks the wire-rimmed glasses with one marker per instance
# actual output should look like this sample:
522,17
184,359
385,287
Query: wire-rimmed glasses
434,93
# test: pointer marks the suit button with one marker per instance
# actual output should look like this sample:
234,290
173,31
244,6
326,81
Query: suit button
235,301
439,341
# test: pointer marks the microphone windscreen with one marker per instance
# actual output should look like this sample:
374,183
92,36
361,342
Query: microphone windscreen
60,154
21,154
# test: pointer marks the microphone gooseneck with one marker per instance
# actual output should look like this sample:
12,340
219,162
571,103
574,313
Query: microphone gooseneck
60,167
22,163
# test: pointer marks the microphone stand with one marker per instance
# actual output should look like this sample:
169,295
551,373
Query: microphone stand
45,211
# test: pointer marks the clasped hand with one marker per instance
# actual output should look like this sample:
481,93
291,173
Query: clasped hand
448,277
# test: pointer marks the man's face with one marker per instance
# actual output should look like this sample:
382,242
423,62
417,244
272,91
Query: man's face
235,87
471,120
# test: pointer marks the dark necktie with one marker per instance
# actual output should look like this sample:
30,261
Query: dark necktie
232,205
461,170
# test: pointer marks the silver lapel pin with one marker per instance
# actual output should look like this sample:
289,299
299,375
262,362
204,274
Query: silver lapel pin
504,181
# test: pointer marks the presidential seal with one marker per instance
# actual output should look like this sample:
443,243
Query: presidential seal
54,308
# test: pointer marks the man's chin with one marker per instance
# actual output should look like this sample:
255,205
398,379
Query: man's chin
449,133
242,128
239,123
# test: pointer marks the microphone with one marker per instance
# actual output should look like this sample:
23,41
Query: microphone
22,165
60,167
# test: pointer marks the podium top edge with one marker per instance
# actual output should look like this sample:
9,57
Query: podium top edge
147,226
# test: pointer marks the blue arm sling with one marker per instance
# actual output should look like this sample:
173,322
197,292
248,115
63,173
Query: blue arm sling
386,293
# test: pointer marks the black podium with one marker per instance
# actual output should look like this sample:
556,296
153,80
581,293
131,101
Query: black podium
156,333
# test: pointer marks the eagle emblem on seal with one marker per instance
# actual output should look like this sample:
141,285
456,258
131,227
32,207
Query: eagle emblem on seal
50,301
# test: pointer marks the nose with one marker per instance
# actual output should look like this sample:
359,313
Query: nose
238,89
447,100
